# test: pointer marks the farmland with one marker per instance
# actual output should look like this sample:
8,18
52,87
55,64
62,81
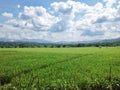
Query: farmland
90,68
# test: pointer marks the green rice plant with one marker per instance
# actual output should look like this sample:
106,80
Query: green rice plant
88,68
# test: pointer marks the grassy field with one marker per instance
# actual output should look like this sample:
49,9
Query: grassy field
89,68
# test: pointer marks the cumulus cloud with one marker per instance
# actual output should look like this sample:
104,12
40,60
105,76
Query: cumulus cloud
69,21
37,17
8,15
109,3
14,33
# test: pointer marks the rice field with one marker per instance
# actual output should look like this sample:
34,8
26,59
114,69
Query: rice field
89,68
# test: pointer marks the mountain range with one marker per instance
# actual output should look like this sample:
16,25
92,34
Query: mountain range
116,40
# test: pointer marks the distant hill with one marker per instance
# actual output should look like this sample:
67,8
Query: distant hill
111,41
45,43
25,40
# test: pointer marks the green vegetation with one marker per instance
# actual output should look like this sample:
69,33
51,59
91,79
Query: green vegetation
27,44
88,68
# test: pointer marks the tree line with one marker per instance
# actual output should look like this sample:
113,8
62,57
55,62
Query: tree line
53,45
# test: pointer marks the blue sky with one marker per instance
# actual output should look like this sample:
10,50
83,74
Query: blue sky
59,20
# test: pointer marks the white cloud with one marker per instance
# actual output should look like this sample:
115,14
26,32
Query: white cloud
18,6
38,17
69,21
109,3
8,15
14,33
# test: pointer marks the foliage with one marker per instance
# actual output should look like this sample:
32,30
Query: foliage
114,42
